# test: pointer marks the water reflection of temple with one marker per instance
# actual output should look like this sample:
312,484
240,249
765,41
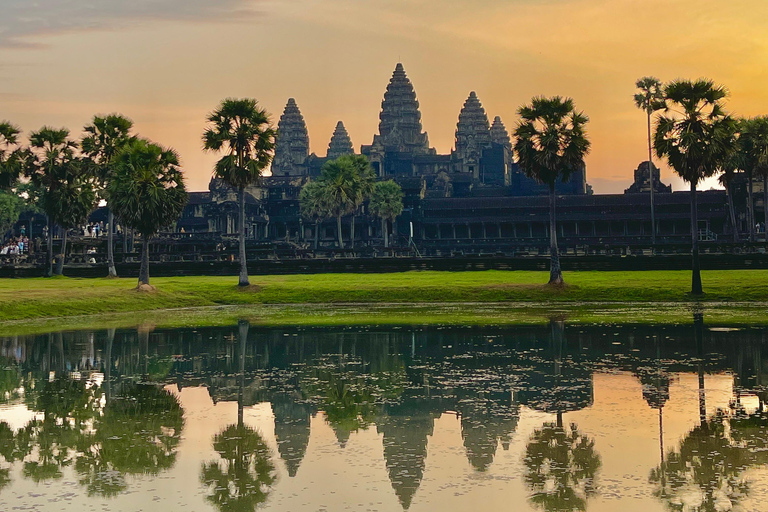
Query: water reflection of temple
398,381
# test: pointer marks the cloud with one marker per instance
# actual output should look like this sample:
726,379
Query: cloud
23,22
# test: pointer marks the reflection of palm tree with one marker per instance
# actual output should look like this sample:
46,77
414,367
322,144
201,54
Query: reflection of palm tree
705,474
655,382
348,408
241,481
561,466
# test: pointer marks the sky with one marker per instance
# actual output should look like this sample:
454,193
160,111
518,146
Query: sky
167,63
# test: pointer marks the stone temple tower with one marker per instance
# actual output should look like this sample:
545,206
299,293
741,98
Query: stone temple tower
499,133
473,135
340,143
292,145
400,127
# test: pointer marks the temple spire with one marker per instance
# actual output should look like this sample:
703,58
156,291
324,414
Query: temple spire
340,143
473,129
400,126
499,134
292,144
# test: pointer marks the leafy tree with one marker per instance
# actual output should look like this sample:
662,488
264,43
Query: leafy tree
560,468
138,434
147,192
386,203
104,138
339,181
56,177
243,130
312,203
753,157
10,151
650,99
11,207
691,135
551,145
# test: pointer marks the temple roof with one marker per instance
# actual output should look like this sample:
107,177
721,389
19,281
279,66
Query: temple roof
400,119
292,144
340,143
499,133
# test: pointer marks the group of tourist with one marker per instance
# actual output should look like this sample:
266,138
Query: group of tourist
15,246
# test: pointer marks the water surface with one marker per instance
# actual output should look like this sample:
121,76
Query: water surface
553,418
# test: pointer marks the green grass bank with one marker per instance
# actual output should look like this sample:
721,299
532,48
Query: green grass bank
434,297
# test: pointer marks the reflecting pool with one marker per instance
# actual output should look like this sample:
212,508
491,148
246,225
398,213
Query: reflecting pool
243,418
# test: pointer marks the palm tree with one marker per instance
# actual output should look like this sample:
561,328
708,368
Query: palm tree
754,158
386,203
551,145
146,192
691,136
729,163
52,153
9,155
105,137
338,180
312,203
650,99
243,130
364,181
71,202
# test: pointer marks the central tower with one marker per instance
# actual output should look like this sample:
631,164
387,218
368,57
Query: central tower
401,136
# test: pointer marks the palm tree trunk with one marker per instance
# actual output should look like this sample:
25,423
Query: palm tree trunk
110,244
243,281
125,242
243,335
63,254
144,268
698,331
555,275
385,232
765,207
732,211
352,232
49,256
696,275
750,207
338,231
317,230
650,181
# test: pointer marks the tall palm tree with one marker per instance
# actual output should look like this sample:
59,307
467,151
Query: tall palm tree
754,159
147,192
364,180
691,135
386,204
10,167
71,202
52,154
650,99
338,180
551,145
104,137
243,130
729,164
313,207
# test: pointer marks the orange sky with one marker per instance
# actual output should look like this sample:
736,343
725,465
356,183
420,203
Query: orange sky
166,63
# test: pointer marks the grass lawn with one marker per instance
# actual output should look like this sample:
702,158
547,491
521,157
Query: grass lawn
39,298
